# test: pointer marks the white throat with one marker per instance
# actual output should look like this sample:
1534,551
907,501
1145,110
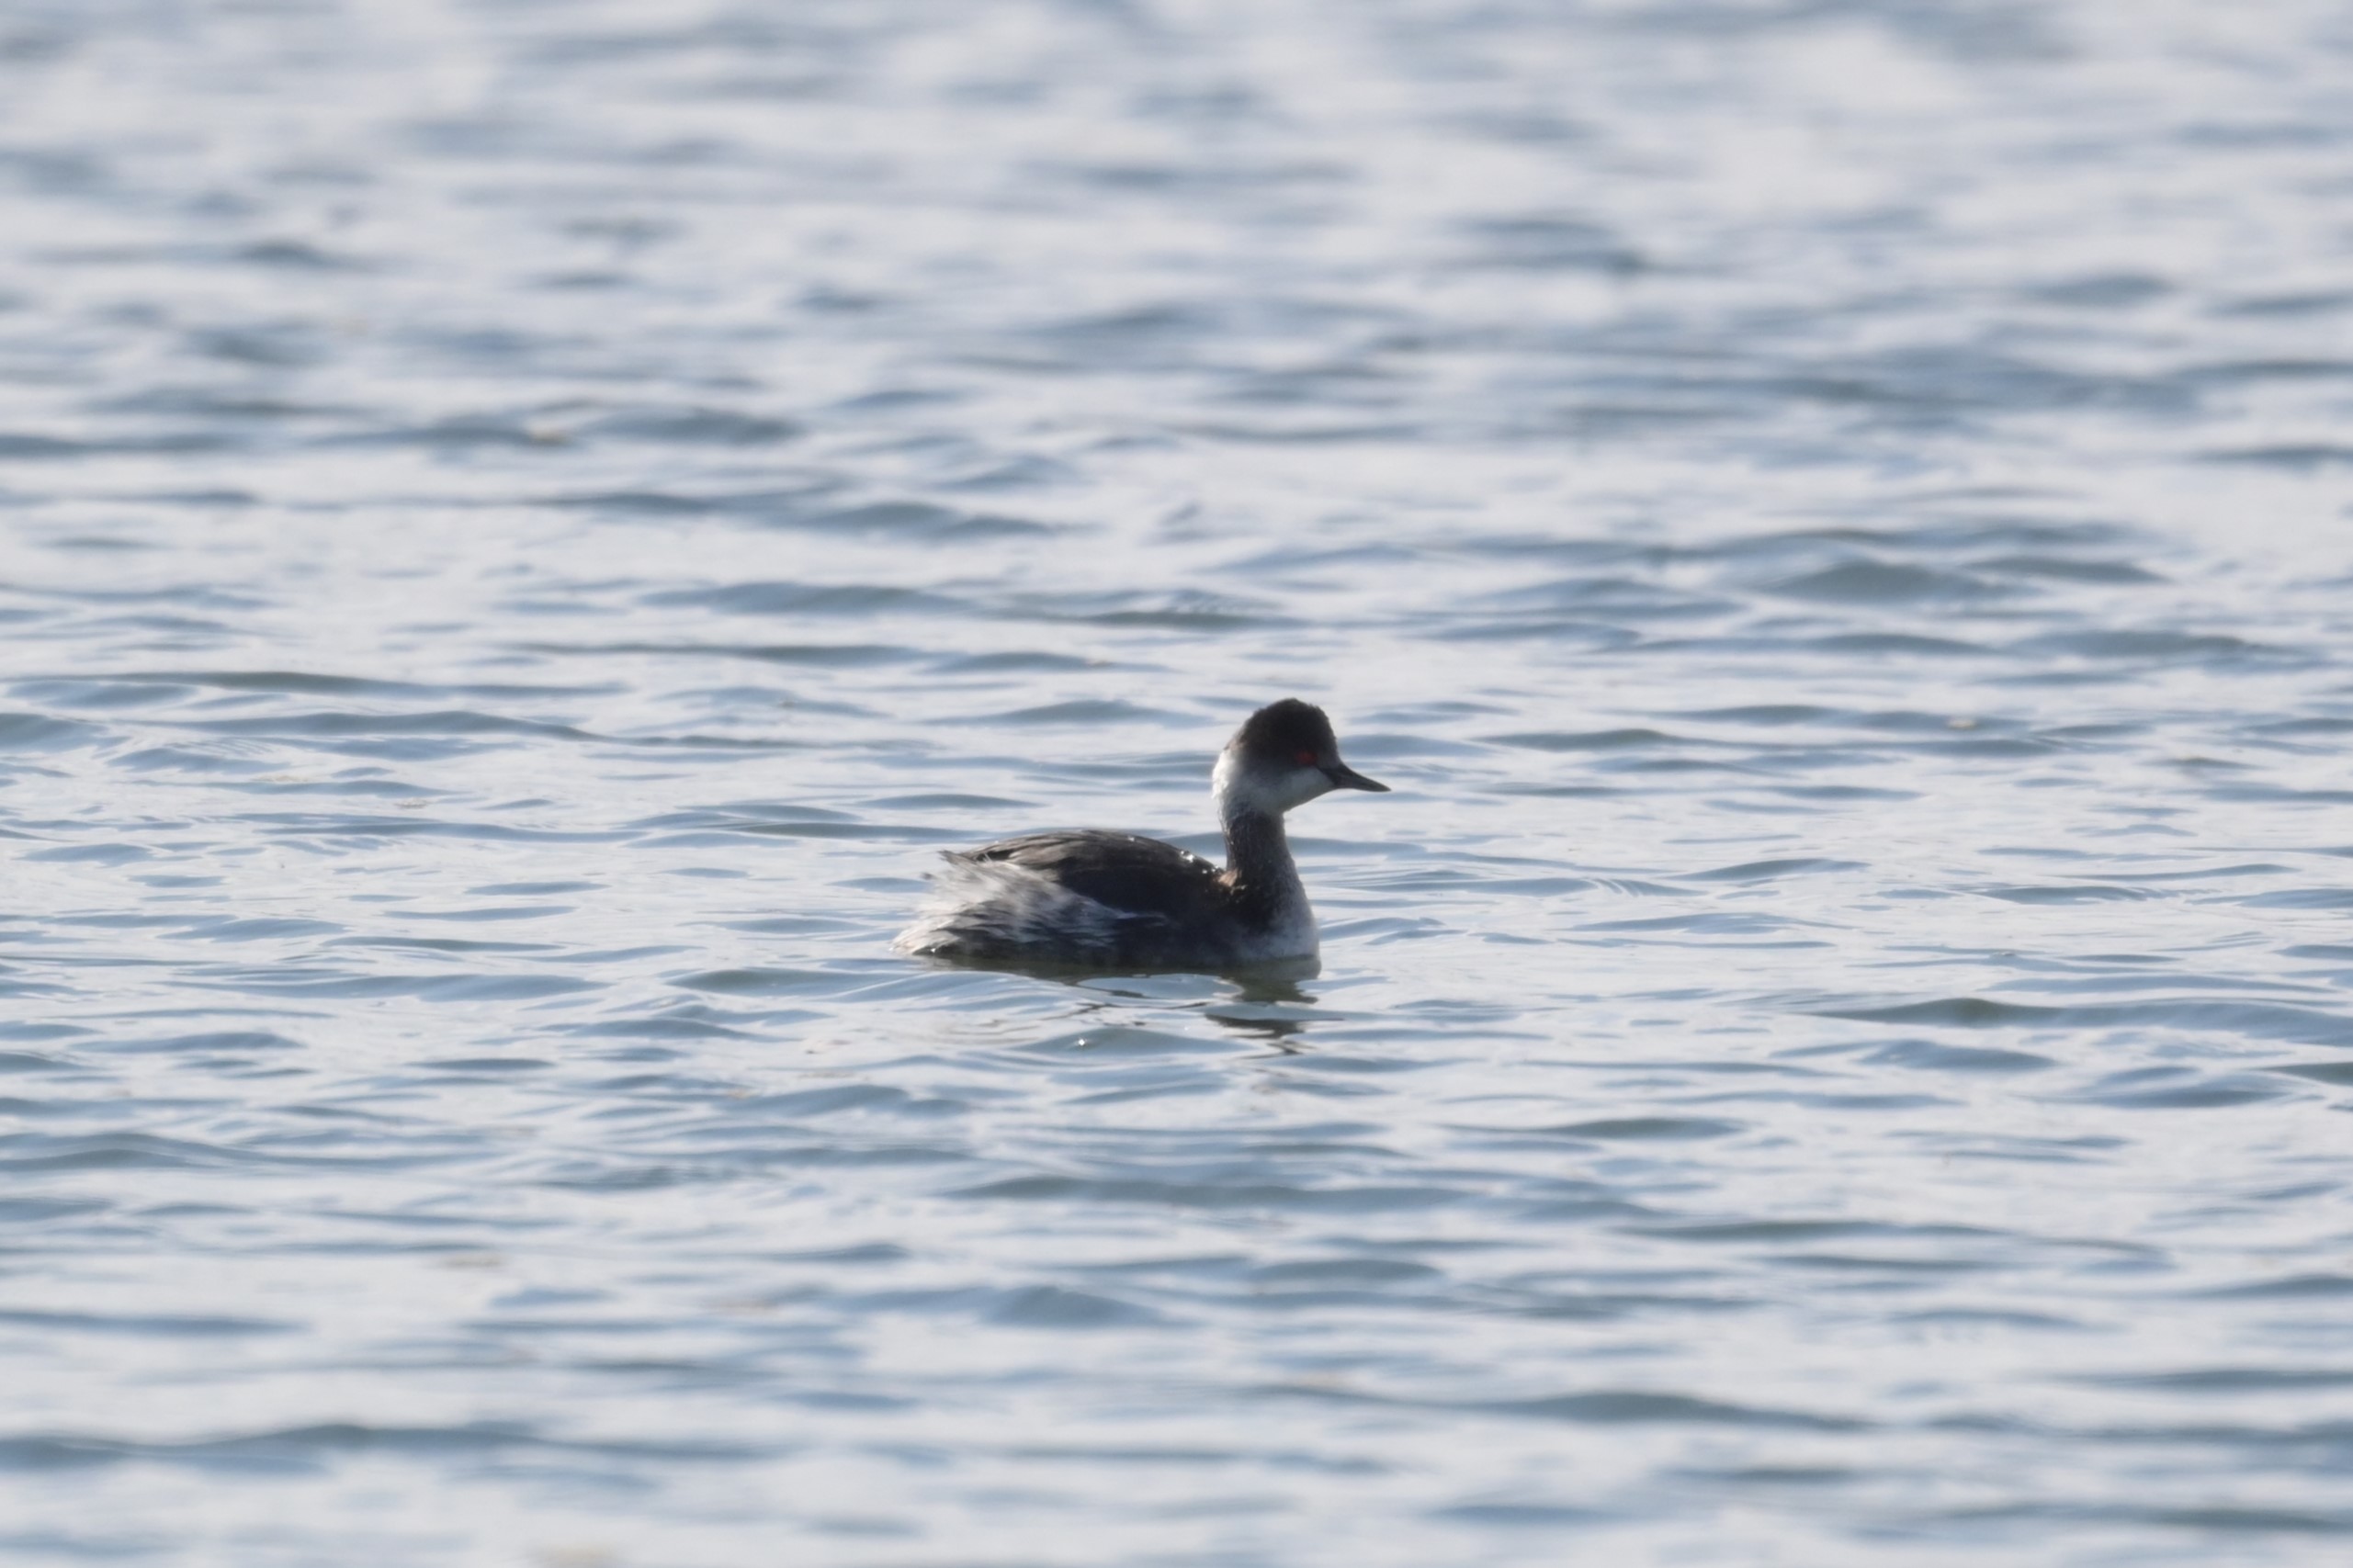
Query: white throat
1241,788
1229,789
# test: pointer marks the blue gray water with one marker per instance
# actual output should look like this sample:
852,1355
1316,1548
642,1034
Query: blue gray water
526,524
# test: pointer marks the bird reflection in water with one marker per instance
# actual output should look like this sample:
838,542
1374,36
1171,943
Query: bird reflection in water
1264,1002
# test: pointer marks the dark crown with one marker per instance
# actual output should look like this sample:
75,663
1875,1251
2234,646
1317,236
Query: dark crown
1285,728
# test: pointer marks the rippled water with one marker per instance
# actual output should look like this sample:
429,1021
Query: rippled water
526,524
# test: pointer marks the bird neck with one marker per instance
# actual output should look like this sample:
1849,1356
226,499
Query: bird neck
1258,867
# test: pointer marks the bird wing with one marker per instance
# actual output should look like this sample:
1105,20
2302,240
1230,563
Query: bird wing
1120,870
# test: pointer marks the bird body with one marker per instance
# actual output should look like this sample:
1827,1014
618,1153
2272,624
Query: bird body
1106,899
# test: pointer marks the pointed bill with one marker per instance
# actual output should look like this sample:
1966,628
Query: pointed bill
1346,777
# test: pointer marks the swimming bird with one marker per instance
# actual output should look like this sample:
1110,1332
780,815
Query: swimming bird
1102,899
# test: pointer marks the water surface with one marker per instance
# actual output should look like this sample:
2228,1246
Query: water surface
523,526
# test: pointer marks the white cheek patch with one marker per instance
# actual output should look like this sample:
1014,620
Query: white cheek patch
1304,785
1271,790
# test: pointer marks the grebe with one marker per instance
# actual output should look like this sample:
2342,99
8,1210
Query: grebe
1115,899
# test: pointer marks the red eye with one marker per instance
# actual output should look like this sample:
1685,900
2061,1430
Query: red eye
1303,757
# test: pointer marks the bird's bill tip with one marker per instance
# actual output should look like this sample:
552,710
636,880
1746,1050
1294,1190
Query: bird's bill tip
1346,777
